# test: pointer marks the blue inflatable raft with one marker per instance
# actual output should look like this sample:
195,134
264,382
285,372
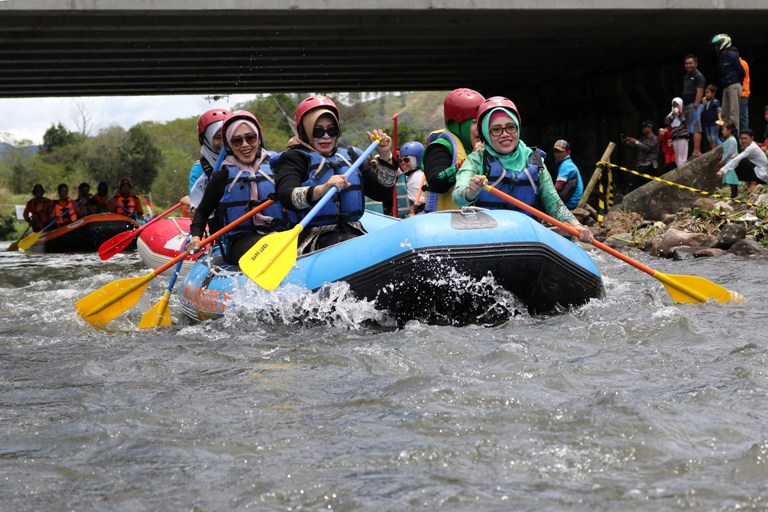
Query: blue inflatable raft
409,268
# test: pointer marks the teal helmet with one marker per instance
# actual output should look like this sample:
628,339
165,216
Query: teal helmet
721,42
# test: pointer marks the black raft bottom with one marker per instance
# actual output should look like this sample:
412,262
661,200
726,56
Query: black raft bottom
463,285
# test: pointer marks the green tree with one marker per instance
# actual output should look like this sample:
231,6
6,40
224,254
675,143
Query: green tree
142,159
56,136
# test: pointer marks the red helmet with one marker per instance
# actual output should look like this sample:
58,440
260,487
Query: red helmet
492,103
209,117
314,102
240,114
461,104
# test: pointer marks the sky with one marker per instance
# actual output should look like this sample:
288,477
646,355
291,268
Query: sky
29,118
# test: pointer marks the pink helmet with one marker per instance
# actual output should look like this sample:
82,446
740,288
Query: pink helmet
314,102
209,117
461,104
492,103
240,114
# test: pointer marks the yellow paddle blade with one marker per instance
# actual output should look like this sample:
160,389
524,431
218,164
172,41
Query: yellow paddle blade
271,258
29,240
159,314
695,289
112,300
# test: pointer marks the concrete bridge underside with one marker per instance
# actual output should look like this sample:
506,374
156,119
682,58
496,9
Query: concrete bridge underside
107,47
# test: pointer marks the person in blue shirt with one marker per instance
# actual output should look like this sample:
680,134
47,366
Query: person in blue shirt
731,76
568,184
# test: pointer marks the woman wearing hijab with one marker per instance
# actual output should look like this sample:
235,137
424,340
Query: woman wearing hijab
678,131
314,163
209,135
507,164
448,147
243,182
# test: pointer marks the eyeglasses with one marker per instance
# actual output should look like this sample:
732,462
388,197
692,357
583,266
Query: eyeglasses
250,138
319,132
498,130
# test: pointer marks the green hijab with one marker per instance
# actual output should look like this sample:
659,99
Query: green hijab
515,160
463,131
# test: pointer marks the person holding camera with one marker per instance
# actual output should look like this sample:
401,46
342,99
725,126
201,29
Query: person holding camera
647,154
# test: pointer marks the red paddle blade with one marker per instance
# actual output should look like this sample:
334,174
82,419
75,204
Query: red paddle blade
116,244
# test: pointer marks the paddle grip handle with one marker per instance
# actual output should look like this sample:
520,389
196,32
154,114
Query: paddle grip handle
328,195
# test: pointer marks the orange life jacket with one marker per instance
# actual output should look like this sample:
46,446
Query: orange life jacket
130,203
60,207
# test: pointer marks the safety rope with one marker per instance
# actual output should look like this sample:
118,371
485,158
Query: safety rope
683,187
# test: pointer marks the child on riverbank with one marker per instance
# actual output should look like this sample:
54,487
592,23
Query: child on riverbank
730,148
675,122
710,116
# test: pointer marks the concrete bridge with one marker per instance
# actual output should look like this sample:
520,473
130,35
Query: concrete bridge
584,70
124,47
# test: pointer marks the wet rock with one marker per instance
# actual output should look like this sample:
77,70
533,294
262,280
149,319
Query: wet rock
655,199
683,252
704,203
675,238
709,252
746,248
619,241
730,234
651,245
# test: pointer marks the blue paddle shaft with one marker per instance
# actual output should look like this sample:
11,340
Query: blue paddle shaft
60,216
328,195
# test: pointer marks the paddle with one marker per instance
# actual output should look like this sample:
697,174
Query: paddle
160,313
681,288
271,258
394,159
29,241
15,245
122,240
110,301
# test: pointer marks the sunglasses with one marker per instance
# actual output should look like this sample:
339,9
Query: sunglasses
404,158
319,132
498,130
250,138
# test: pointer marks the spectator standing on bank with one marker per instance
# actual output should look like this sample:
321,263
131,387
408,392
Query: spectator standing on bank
647,154
731,76
693,93
667,149
711,117
730,149
675,121
744,96
568,184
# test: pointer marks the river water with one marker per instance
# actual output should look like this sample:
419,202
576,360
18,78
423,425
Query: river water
629,403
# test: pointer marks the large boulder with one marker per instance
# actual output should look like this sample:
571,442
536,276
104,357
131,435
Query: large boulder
655,199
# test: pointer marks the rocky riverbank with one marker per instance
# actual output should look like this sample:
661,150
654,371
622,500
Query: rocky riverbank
671,222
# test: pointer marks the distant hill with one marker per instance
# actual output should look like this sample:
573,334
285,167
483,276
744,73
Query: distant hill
4,147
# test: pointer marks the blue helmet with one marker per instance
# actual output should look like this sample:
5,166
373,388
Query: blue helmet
412,148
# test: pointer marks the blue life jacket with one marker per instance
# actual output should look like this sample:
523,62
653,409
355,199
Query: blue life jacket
347,208
237,201
521,184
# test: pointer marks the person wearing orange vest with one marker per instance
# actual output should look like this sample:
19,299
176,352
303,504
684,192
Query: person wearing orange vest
125,203
36,211
63,207
744,96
